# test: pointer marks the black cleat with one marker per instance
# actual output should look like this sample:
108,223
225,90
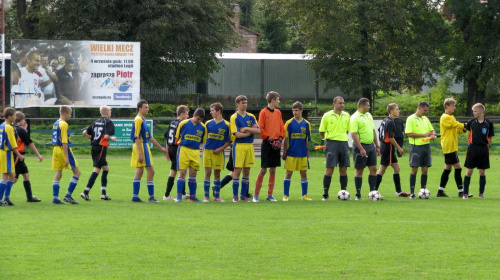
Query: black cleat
8,202
138,200
461,194
33,199
441,194
105,197
85,196
249,195
57,201
69,199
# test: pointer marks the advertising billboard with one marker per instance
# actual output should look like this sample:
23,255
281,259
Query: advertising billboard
46,73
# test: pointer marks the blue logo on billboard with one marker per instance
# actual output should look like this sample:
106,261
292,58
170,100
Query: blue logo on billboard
122,96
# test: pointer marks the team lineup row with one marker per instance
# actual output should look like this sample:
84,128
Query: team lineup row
185,137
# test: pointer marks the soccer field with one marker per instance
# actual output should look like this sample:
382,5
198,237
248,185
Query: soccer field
398,238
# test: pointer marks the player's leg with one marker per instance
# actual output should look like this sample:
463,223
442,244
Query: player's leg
423,177
104,183
482,182
286,184
468,174
444,180
260,179
458,176
150,174
206,183
217,184
85,194
236,183
304,184
72,183
413,181
265,155
271,182
27,188
193,185
380,174
170,184
8,187
181,183
139,171
245,183
372,166
56,187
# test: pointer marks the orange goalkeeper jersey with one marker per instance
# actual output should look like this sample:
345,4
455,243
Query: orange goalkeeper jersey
271,124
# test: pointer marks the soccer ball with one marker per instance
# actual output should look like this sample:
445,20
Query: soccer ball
374,196
343,195
424,194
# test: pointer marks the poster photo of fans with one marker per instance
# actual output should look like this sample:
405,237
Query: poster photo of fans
46,73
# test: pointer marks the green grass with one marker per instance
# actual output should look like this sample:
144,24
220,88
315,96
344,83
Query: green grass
445,238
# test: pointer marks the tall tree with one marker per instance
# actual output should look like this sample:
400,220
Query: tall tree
363,46
179,38
475,46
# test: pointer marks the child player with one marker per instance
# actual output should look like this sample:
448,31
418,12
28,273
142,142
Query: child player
480,130
182,114
24,140
8,148
450,128
213,154
190,134
62,156
271,133
388,147
141,153
243,126
99,134
296,151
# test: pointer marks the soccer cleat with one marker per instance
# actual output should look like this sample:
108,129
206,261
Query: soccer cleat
57,201
255,198
153,200
285,198
461,194
325,197
33,199
358,197
105,197
249,195
194,199
305,197
8,202
2,203
185,196
136,199
244,198
481,196
271,198
412,196
168,198
466,196
207,199
235,198
85,196
178,200
69,199
218,199
403,194
441,194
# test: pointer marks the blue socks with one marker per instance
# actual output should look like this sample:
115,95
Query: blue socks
217,189
244,186
206,188
304,184
72,185
151,189
136,184
181,184
192,186
55,190
236,185
8,188
286,184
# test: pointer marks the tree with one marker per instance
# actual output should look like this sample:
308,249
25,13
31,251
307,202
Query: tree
363,46
179,38
475,47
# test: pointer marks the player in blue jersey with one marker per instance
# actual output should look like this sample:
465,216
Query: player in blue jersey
62,156
296,151
190,134
8,148
141,153
243,127
171,146
99,134
213,154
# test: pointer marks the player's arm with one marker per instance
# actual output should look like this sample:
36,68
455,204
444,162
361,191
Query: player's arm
110,132
157,145
285,147
107,137
395,144
356,141
377,144
34,149
88,132
222,148
140,157
66,154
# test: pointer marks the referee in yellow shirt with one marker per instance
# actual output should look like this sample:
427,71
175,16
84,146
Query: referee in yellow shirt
417,128
366,146
334,128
